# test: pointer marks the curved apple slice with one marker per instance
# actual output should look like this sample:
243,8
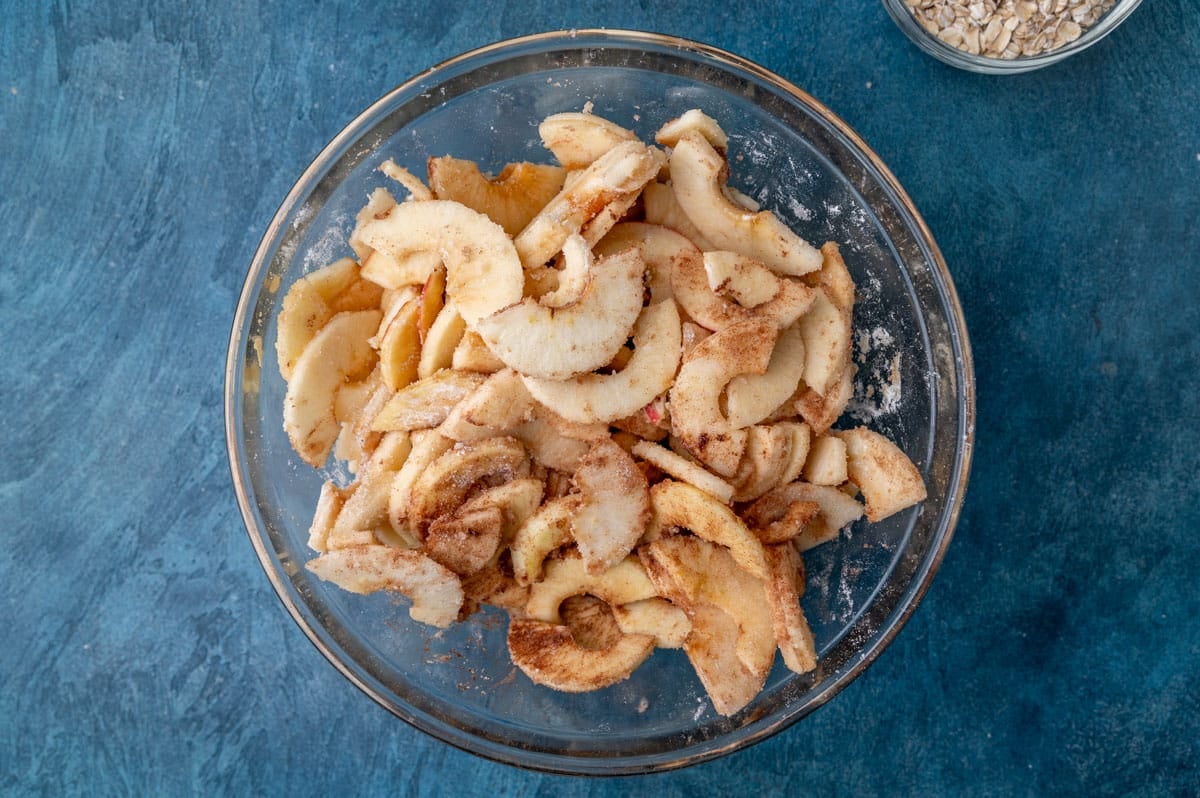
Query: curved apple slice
837,510
660,246
465,539
696,174
556,343
731,643
312,301
435,590
692,289
696,417
650,371
768,452
742,279
683,469
483,272
696,121
827,331
453,476
677,505
833,277
622,170
510,199
750,398
882,471
614,505
668,624
568,576
549,655
578,139
546,530
339,353
501,402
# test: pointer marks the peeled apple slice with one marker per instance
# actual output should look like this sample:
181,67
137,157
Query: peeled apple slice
340,353
696,173
557,343
650,371
483,272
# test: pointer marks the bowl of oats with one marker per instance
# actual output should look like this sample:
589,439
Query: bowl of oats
1007,36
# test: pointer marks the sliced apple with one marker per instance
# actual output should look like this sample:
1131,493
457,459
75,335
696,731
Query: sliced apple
692,120
579,139
557,343
662,209
622,170
666,623
547,529
483,272
696,297
399,343
426,403
312,301
549,655
833,277
462,471
697,176
764,463
792,632
749,398
411,183
366,508
499,404
379,203
510,199
614,505
826,463
435,591
837,510
696,418
742,279
568,576
427,446
472,354
822,411
731,643
465,539
397,271
590,398
329,504
888,479
441,341
827,331
677,505
683,469
339,353
659,246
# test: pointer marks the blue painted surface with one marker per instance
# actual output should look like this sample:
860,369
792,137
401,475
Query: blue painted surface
145,148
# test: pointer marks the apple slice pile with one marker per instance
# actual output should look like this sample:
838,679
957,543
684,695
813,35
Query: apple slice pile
599,395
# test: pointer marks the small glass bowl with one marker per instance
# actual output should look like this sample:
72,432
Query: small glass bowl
792,155
953,56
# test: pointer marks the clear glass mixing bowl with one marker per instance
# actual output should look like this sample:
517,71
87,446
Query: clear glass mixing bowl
791,154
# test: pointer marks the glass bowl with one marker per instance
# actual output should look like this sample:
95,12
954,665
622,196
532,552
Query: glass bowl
953,56
792,155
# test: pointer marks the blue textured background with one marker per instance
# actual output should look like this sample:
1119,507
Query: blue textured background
145,146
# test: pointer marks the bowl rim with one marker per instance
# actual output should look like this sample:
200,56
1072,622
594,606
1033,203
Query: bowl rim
989,65
236,364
